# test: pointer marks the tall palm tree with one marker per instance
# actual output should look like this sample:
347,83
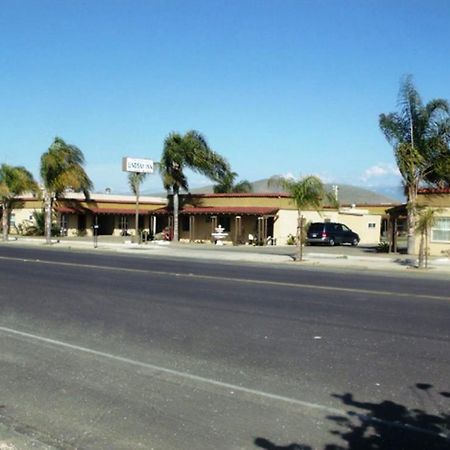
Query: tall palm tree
308,192
135,179
419,135
61,169
228,185
14,181
191,151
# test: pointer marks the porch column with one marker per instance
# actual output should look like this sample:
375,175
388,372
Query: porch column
170,225
265,230
153,225
213,226
260,230
191,228
395,236
237,229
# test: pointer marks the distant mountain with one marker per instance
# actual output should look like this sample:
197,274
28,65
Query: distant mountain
347,194
396,192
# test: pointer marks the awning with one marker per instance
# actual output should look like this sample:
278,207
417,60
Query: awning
217,210
122,211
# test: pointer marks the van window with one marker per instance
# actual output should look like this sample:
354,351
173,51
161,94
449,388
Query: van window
316,228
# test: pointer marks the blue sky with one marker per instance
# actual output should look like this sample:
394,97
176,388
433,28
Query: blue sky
277,87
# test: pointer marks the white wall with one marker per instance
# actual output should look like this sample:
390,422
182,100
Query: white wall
357,220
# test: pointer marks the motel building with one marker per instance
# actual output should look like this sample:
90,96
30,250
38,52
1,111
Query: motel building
438,238
261,218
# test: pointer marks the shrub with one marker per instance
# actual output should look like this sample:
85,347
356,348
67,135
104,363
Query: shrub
383,247
291,240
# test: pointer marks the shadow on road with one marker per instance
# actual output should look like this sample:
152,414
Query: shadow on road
385,426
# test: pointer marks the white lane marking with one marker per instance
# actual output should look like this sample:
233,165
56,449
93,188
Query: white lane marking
176,373
228,386
236,280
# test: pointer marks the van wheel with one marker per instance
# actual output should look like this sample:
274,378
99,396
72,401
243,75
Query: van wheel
331,242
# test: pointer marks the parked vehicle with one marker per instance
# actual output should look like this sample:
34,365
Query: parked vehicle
331,233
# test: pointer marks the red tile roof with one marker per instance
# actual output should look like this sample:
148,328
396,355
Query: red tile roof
434,191
244,195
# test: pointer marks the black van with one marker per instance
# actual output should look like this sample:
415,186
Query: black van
331,233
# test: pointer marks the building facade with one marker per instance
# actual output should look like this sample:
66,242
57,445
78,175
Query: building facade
264,218
439,235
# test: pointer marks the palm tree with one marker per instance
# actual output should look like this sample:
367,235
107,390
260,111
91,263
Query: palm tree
426,220
14,181
135,179
228,185
61,169
188,151
308,192
419,135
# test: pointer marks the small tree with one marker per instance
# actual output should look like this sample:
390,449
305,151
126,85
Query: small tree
135,179
426,219
308,192
14,181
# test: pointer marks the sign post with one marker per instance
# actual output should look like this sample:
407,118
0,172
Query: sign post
141,166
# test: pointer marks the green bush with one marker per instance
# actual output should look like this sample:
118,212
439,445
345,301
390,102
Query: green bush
383,247
291,240
38,227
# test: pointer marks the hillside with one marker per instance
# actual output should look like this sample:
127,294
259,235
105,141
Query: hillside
347,194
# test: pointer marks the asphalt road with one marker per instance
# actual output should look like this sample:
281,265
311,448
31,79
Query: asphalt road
115,352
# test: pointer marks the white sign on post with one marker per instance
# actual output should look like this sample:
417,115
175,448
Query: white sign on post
137,165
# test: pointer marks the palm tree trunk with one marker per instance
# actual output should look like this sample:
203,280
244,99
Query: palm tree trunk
136,218
421,250
5,216
175,215
299,236
411,208
48,207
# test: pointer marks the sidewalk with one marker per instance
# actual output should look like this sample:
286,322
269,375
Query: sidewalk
339,257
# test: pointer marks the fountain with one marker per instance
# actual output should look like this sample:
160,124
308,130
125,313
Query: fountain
219,235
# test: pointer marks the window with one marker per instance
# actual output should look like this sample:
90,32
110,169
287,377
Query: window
372,225
185,223
441,230
63,222
12,220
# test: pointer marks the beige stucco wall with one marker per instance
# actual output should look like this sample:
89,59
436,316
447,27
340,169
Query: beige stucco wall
436,248
434,200
22,218
442,203
360,224
256,200
286,223
356,220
